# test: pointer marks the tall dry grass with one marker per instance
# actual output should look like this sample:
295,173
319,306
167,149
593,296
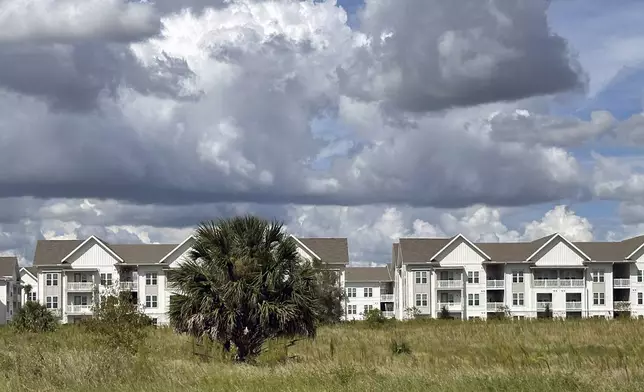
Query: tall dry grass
588,355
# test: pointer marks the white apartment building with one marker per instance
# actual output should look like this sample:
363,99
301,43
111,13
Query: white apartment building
479,280
29,276
368,288
69,272
9,288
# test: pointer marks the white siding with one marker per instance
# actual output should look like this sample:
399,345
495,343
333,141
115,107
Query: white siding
360,300
460,253
559,254
27,279
93,256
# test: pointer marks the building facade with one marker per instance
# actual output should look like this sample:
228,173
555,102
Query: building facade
71,273
368,288
548,276
10,289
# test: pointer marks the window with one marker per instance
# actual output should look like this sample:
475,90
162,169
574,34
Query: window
421,277
352,309
368,292
80,300
51,279
640,299
31,297
473,277
473,300
151,279
421,300
150,301
106,279
517,299
639,276
517,276
598,298
52,302
367,309
598,276
80,277
351,292
447,298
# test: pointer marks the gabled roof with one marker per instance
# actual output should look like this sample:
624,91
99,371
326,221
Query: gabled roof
329,250
100,242
456,237
33,271
52,252
8,266
552,238
420,250
368,274
394,254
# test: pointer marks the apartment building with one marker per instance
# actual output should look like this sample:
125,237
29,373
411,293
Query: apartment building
69,273
29,277
480,280
9,288
368,288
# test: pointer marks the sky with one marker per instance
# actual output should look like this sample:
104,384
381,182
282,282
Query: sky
373,120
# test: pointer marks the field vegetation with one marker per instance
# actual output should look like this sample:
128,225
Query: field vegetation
419,355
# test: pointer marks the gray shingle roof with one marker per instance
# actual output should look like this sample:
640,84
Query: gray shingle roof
421,249
330,250
8,265
50,252
368,274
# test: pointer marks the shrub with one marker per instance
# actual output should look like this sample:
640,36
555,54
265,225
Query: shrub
118,322
374,317
34,317
444,313
399,347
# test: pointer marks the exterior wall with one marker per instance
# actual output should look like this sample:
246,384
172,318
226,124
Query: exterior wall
4,306
360,301
558,253
460,253
27,279
606,287
637,287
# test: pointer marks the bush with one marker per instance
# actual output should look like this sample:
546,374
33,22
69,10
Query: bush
118,322
399,347
444,313
374,317
34,317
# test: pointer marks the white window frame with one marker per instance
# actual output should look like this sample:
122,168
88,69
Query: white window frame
599,299
473,277
368,292
151,301
421,277
640,276
598,276
518,299
151,279
367,309
640,298
51,302
352,309
51,279
517,276
352,292
106,279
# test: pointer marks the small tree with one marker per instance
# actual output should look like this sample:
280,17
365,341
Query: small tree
412,312
118,321
34,317
27,288
445,313
330,295
374,317
547,311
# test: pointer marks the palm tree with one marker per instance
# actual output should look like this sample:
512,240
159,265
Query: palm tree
242,284
27,288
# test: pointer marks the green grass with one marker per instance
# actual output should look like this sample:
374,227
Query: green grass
589,355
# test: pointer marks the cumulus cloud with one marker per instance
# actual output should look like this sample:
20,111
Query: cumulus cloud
65,21
432,54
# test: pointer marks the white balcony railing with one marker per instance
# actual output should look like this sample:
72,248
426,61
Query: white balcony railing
571,283
80,286
545,283
621,283
495,307
573,305
129,286
450,284
386,298
542,305
622,305
82,309
495,284
451,306
388,314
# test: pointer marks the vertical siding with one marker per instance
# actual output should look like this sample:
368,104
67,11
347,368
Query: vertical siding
460,253
94,256
559,254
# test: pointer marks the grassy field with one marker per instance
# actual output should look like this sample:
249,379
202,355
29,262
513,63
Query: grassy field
592,355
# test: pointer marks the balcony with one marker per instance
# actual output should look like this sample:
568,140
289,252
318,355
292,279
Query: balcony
573,305
622,305
79,309
449,284
129,286
388,314
542,305
621,283
495,284
495,307
386,298
571,283
545,283
80,286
